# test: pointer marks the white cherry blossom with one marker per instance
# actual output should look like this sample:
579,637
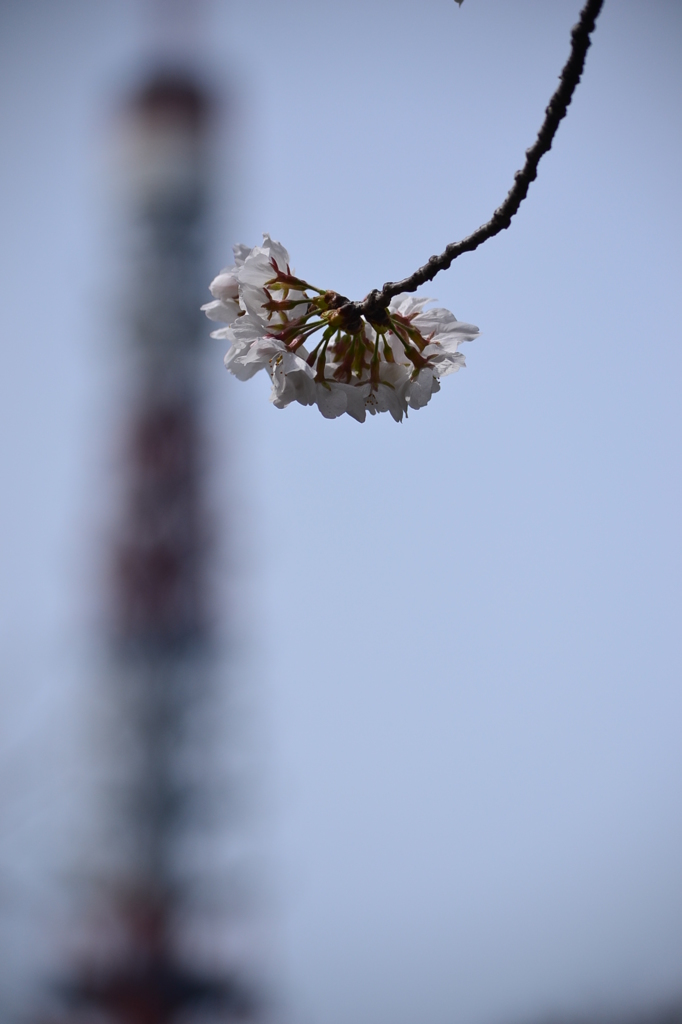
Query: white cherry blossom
224,311
317,350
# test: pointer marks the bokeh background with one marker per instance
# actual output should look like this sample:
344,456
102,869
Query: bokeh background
459,636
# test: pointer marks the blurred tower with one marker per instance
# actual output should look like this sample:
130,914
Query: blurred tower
138,971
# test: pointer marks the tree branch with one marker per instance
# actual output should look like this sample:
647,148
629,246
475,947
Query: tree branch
374,304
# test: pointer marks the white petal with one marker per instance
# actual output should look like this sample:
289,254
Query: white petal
396,346
244,334
331,399
264,350
442,323
246,328
236,365
444,362
292,387
406,303
225,285
356,398
223,310
418,392
253,298
254,276
277,252
397,375
241,251
385,399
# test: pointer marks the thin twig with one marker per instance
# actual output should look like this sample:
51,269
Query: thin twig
377,300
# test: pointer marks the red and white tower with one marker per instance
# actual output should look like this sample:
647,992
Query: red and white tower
140,972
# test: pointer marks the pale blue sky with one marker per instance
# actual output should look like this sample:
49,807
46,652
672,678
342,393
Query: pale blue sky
464,629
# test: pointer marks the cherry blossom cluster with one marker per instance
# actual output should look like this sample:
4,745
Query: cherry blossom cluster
319,351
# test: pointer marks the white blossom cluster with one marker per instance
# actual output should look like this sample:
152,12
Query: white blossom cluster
387,363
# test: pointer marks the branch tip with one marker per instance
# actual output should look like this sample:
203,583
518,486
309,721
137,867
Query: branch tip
501,219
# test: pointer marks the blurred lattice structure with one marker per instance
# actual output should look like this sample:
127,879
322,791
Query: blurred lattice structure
135,968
